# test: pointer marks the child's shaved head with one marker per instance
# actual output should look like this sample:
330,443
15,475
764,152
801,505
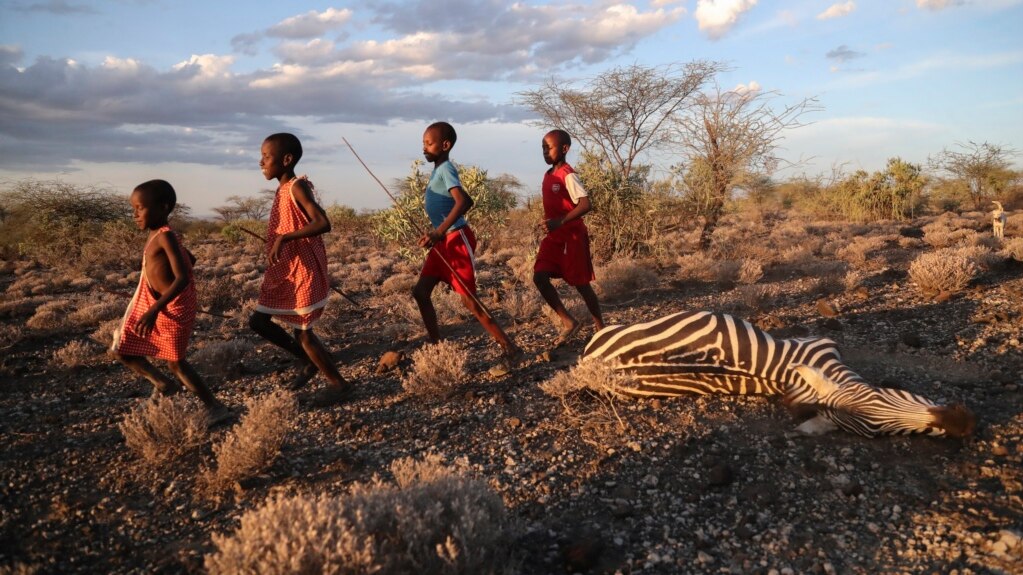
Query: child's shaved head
287,144
563,138
446,131
157,192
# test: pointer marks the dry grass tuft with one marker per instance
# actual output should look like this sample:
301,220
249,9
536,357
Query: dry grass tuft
50,315
624,277
437,369
522,305
104,334
430,521
750,272
945,270
75,354
222,358
95,314
163,430
695,266
216,293
588,394
1013,248
253,445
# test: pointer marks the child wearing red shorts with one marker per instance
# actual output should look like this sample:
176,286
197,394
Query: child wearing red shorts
565,250
451,243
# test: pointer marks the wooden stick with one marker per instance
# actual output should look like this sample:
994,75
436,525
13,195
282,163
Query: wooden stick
336,290
418,229
127,295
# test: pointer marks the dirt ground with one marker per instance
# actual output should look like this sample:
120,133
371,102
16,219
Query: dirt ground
690,485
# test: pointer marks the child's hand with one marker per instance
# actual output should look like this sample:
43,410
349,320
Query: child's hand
551,224
429,238
275,251
144,326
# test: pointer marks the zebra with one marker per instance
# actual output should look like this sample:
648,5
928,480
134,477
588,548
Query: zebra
702,352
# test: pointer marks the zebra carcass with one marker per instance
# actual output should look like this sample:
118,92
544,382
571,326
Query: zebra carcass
705,352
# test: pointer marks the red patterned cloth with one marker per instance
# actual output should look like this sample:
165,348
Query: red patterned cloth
174,323
296,288
458,247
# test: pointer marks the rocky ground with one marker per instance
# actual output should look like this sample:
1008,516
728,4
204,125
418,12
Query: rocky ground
691,485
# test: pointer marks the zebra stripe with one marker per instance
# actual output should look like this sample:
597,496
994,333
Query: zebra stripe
704,352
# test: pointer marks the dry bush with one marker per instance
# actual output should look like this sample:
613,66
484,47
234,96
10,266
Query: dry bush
588,394
945,270
797,255
430,521
522,305
828,284
725,271
163,430
97,313
222,358
449,306
50,315
910,243
695,266
75,354
1013,248
20,306
104,334
857,252
750,272
853,279
215,293
624,277
1014,224
400,331
253,445
755,297
398,284
521,266
437,369
982,257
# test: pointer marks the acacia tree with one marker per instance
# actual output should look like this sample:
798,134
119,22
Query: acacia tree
246,207
727,139
984,168
624,111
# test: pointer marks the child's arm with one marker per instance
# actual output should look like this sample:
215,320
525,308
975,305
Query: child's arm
580,209
169,244
318,221
463,203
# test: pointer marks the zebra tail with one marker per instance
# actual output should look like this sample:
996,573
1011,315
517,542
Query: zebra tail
957,420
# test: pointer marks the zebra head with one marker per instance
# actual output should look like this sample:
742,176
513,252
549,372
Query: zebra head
854,406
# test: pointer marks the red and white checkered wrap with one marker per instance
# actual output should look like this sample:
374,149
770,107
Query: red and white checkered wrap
174,323
296,288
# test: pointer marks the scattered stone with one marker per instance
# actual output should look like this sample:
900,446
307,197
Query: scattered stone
999,451
513,422
720,475
826,309
388,361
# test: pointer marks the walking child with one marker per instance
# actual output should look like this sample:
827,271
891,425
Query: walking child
296,286
565,250
158,322
451,240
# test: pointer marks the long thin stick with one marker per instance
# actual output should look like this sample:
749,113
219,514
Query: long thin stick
336,290
412,221
128,295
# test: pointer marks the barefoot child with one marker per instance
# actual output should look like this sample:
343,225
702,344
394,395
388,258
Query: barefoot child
296,286
565,250
159,319
452,240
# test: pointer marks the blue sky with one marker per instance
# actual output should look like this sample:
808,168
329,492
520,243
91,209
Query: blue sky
117,92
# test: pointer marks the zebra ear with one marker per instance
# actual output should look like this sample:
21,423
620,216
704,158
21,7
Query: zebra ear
817,380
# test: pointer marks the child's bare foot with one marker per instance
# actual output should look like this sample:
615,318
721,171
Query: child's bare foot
333,394
166,390
218,415
306,371
567,333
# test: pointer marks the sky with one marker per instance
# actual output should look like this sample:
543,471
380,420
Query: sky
116,92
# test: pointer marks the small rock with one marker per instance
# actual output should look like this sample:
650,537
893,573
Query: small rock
833,324
999,450
704,558
513,422
388,361
656,404
943,297
826,309
720,475
911,339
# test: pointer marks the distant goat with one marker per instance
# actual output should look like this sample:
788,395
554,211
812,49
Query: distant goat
998,221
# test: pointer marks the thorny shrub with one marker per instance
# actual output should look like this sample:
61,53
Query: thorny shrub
50,315
588,394
253,445
624,277
221,358
216,293
437,369
163,430
1013,248
695,266
750,271
430,521
945,270
75,354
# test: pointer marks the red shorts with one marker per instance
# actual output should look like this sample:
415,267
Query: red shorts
566,256
459,249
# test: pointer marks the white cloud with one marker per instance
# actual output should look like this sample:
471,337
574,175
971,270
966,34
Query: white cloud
310,24
837,10
752,88
716,17
935,5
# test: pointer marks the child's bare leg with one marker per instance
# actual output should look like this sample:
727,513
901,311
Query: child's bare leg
511,350
569,324
423,293
319,356
264,325
188,376
590,297
142,367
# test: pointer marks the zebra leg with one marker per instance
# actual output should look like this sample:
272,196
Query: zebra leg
818,425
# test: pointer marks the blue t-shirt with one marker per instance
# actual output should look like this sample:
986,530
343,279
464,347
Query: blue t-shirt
439,201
